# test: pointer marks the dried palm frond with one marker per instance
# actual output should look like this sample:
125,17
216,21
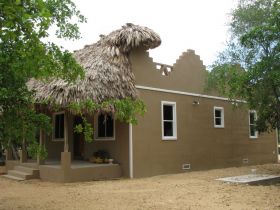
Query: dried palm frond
108,72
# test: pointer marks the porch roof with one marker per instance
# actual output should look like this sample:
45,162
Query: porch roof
108,72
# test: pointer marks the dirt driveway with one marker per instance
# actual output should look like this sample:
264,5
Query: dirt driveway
191,190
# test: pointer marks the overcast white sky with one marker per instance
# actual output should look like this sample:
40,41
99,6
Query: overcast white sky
200,25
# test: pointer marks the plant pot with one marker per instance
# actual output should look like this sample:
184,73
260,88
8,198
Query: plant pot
95,160
98,160
110,161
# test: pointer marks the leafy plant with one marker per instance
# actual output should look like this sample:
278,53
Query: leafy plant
125,110
36,150
103,154
24,55
86,129
248,69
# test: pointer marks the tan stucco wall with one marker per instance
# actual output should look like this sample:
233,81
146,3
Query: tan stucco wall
57,174
118,148
56,147
198,142
188,69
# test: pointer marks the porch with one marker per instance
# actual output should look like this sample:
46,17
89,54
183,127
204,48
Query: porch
52,170
68,156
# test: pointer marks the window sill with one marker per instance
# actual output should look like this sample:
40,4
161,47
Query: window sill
104,139
58,140
219,126
169,138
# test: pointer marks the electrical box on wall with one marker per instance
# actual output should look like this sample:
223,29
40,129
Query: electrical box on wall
245,160
186,166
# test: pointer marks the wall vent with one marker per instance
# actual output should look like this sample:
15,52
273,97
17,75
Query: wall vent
186,166
245,161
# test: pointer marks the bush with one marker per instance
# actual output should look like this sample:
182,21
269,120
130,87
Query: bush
103,154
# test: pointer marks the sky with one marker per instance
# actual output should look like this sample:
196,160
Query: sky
201,25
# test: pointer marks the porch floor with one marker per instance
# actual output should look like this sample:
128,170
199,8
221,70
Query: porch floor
79,170
76,164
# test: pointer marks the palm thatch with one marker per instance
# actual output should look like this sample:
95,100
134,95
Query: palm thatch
108,72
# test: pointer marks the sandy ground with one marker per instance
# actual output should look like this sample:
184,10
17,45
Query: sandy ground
191,190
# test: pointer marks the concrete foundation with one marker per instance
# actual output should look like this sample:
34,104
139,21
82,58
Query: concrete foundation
65,160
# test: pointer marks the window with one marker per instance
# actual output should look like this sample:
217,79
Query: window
252,124
219,117
105,127
168,115
58,126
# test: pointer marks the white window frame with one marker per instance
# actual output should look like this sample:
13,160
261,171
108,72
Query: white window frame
222,117
96,137
53,125
174,137
256,132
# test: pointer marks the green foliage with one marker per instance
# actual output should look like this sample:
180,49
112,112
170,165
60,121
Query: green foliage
128,109
125,110
36,150
103,154
228,82
249,68
86,129
84,106
23,55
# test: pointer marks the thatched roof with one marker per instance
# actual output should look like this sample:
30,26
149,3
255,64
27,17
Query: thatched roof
108,72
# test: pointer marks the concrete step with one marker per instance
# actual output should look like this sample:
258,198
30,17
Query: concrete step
35,172
13,177
20,174
30,165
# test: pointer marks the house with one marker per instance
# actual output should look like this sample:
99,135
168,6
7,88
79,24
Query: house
184,128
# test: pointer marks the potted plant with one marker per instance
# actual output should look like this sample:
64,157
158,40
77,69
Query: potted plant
110,160
100,156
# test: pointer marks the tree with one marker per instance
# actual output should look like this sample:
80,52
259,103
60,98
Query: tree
249,68
23,55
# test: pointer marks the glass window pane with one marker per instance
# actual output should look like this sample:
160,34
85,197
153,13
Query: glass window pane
109,126
167,112
252,130
252,118
56,127
59,126
218,121
168,128
101,125
218,113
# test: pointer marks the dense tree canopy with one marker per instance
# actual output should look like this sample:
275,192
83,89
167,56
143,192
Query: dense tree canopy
249,68
24,24
23,55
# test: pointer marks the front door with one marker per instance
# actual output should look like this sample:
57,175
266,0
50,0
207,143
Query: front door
79,142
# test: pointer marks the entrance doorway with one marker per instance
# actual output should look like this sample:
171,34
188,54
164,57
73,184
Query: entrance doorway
79,140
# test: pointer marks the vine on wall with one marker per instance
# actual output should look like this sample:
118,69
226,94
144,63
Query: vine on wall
126,110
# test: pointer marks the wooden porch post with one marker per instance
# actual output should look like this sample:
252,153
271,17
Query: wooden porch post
23,152
66,143
66,155
42,143
9,154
